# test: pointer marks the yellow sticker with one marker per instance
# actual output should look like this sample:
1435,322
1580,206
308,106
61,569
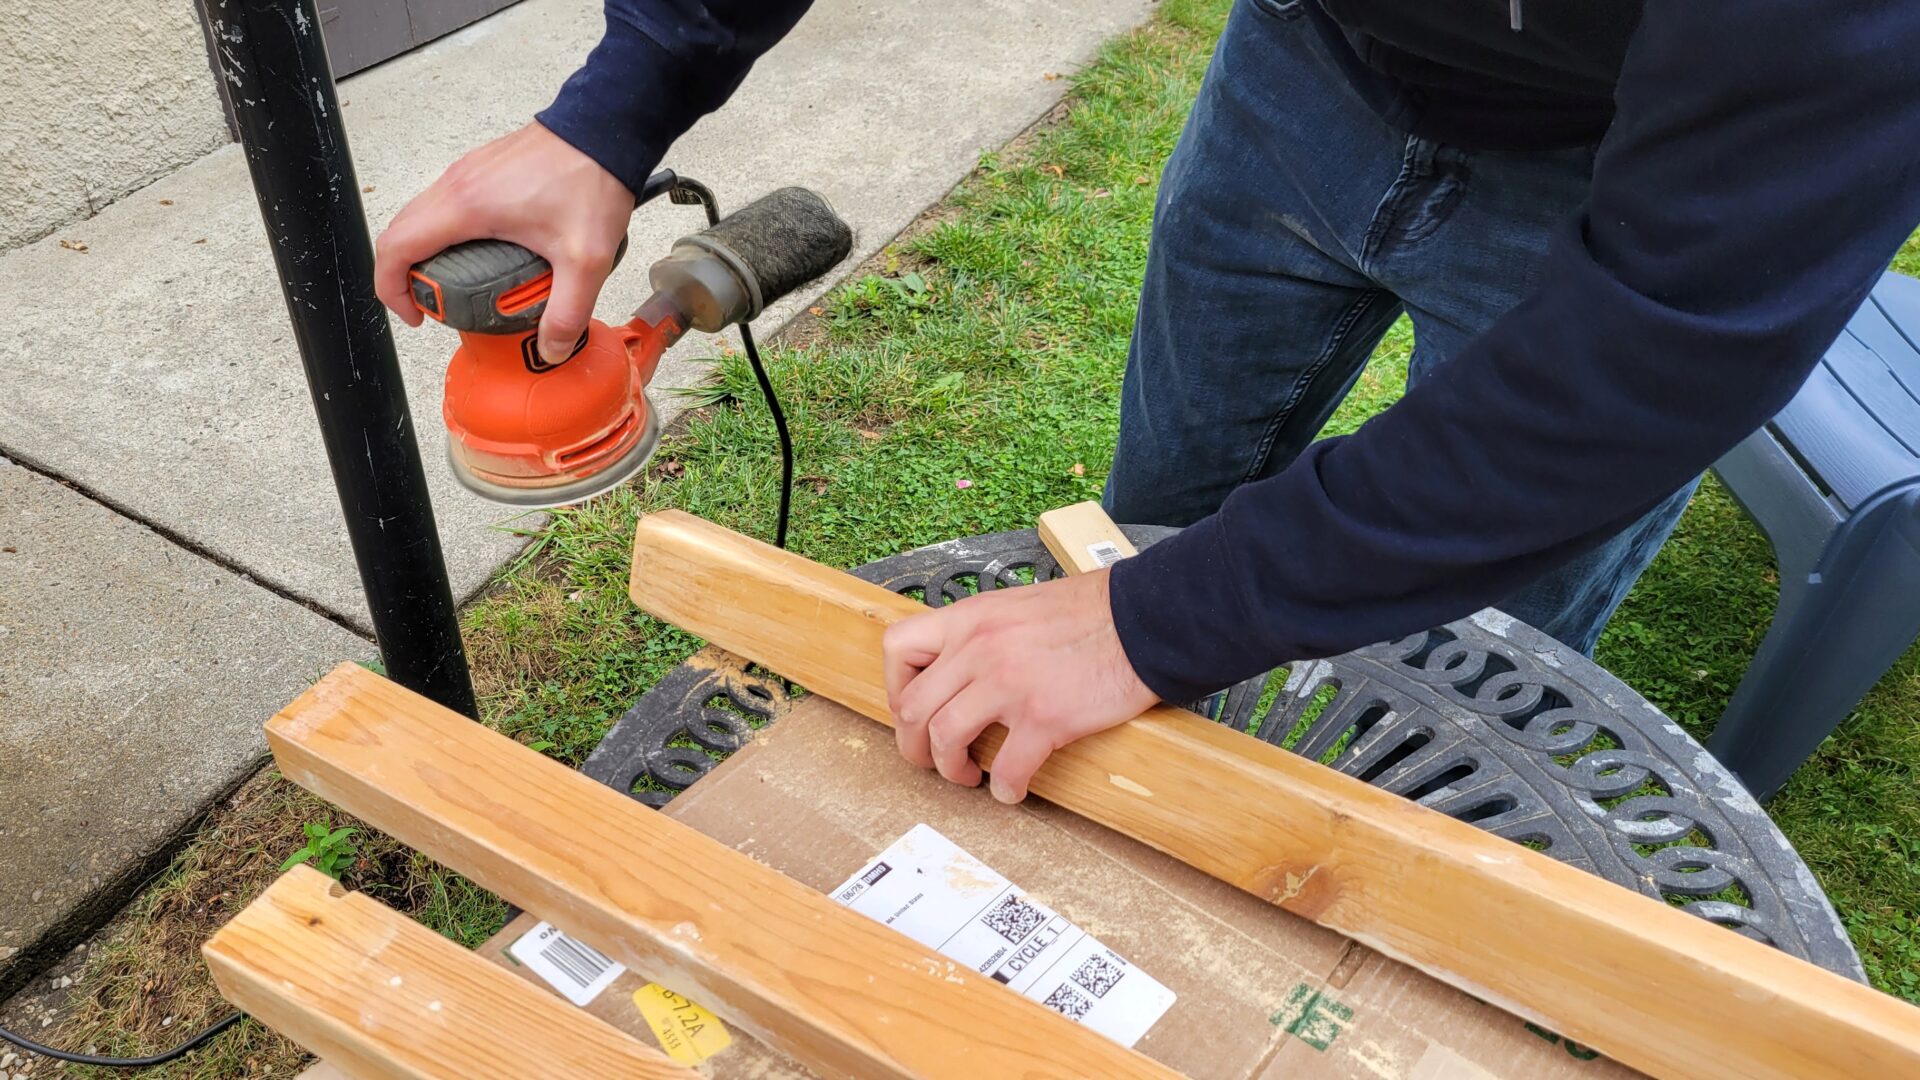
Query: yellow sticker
688,1033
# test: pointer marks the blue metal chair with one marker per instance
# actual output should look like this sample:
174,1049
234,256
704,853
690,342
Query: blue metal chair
1834,482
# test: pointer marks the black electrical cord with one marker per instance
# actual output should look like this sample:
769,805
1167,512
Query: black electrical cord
174,1054
780,426
685,191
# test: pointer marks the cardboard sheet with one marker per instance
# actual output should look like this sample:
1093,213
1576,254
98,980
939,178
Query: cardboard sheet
1258,993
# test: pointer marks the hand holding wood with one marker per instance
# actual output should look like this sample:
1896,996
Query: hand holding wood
1043,662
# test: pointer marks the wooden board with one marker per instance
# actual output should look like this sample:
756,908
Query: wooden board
1082,538
841,993
1261,994
1645,983
384,998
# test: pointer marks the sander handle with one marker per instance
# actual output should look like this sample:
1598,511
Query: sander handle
497,287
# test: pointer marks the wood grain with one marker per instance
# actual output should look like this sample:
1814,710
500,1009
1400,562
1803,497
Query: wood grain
384,998
1648,984
1082,538
835,990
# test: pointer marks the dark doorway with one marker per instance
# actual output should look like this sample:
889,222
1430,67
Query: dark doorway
361,33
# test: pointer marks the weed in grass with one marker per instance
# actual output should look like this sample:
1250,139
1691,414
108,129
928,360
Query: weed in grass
328,850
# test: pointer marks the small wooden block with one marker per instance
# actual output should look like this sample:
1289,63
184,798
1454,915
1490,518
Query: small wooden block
384,998
1083,538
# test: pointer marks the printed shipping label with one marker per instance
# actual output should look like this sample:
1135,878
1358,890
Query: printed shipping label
927,888
1105,552
576,970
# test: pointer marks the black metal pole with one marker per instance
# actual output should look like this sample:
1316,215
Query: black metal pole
270,54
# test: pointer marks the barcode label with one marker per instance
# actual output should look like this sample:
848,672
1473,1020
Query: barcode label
575,969
1105,552
945,899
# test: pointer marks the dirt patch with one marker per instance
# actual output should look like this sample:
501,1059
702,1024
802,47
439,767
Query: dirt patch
139,986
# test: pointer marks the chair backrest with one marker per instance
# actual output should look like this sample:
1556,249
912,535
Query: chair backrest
1855,425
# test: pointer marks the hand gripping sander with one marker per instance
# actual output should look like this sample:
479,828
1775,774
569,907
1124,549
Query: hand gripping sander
525,432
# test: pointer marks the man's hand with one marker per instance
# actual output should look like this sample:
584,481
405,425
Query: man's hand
1043,660
530,187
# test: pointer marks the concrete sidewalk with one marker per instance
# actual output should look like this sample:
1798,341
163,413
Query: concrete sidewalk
135,679
155,373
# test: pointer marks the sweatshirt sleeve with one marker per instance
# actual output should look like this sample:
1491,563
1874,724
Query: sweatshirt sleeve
1762,168
661,66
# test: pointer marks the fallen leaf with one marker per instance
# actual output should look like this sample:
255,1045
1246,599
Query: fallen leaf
816,311
864,433
166,202
1051,76
1056,170
1102,193
671,470
817,483
1143,179
1079,469
74,245
367,190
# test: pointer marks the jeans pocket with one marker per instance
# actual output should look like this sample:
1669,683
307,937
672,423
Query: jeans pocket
1280,9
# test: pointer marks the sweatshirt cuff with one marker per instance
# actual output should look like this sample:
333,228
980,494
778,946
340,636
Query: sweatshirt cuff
625,105
1180,623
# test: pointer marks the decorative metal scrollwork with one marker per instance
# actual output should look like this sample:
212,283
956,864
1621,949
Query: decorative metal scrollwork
677,732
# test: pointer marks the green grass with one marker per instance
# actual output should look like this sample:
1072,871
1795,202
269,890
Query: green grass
989,349
145,987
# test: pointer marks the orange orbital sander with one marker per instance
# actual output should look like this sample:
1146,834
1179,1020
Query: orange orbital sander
528,433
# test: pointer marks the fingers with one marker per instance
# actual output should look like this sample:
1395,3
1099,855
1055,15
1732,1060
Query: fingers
916,686
920,702
905,648
530,187
953,729
422,231
1025,750
576,285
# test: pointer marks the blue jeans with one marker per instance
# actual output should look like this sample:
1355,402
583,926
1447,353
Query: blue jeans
1293,227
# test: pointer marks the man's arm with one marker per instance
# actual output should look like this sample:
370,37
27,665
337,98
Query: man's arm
564,187
1760,173
662,65
1763,166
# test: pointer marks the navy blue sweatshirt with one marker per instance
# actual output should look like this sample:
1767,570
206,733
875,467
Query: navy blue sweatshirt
1759,165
